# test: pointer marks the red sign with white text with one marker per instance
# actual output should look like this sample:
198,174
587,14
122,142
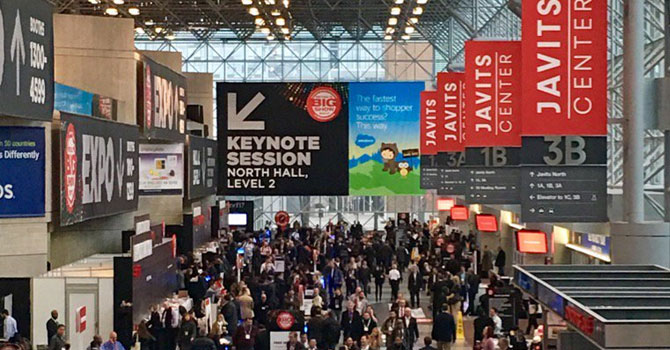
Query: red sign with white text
493,90
531,241
583,322
564,67
429,129
451,95
459,213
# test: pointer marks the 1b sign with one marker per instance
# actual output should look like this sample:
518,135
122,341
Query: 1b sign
22,174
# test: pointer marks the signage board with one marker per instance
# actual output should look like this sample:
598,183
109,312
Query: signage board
486,222
459,213
564,179
22,175
531,242
161,101
283,138
526,283
492,175
595,242
564,52
453,176
202,177
430,172
245,208
26,59
550,298
98,168
430,137
451,95
445,204
384,138
493,88
161,169
72,100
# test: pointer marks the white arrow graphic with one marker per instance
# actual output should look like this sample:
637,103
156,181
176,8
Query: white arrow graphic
18,50
237,120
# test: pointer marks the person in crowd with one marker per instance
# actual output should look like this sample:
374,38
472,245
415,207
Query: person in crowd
482,321
187,332
412,329
488,343
57,342
335,304
501,260
394,280
349,344
312,345
361,302
203,342
444,329
96,343
427,342
365,343
112,343
170,319
364,276
414,284
262,309
534,313
246,303
375,339
487,260
334,277
52,324
380,276
497,322
315,327
230,313
392,327
472,281
503,344
331,331
10,329
219,329
144,337
351,322
317,301
368,323
397,344
293,342
245,335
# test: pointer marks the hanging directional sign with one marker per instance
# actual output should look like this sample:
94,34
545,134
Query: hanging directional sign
492,175
451,145
429,140
26,59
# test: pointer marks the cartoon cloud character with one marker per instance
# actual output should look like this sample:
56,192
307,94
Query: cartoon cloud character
404,168
388,152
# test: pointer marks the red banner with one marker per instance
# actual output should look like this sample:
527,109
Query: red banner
564,67
451,93
429,128
493,90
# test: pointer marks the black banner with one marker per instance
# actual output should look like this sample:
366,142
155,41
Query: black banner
26,59
201,168
161,101
98,168
493,175
453,178
283,139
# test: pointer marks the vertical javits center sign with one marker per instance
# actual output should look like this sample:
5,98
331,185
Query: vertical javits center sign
283,138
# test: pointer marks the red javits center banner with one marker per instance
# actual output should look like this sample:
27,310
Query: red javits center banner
451,145
493,87
564,67
429,124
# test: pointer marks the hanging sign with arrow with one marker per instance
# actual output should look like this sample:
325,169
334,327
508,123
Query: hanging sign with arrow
26,59
283,139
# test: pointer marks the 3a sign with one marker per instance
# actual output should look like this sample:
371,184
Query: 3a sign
26,59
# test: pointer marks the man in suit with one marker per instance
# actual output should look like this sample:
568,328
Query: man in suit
427,341
351,323
414,283
411,329
444,329
293,343
52,325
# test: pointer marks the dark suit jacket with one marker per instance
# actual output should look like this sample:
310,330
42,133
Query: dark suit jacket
298,346
52,328
414,283
412,329
444,328
352,327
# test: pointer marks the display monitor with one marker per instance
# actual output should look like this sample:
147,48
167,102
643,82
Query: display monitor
459,213
237,219
445,204
486,222
531,241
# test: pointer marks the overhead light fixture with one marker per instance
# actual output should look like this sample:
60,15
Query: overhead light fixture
271,37
387,37
149,22
393,21
275,13
395,10
409,30
94,2
285,30
390,30
287,37
405,37
265,30
259,21
139,30
158,30
399,1
118,2
170,36
417,11
269,2
280,21
414,20
112,11
247,2
286,3
134,11
421,2
253,11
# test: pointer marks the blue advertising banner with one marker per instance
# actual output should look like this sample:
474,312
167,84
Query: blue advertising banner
384,138
22,175
596,243
72,100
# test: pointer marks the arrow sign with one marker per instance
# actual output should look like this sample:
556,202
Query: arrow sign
18,50
237,120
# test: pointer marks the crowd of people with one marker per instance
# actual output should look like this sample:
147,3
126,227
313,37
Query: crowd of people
327,274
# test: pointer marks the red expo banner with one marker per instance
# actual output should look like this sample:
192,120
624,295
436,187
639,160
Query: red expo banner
564,51
429,125
451,94
493,91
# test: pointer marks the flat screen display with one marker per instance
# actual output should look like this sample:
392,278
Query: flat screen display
237,219
531,241
445,204
486,223
459,213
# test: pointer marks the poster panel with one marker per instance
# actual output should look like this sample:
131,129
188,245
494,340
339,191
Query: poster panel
161,169
283,138
98,168
22,175
26,59
493,90
202,177
385,138
564,50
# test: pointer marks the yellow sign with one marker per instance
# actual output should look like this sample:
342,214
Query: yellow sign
460,333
